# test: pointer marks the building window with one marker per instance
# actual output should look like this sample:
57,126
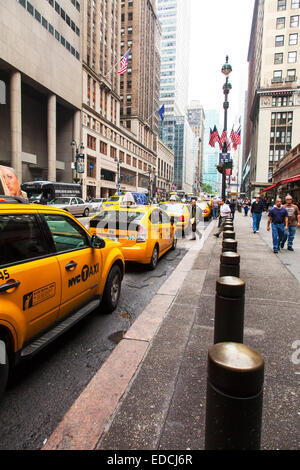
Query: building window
91,142
280,23
291,77
278,58
292,57
281,5
103,147
279,41
295,3
293,39
91,167
294,23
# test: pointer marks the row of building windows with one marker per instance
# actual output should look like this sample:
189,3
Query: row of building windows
49,27
281,101
279,40
278,76
281,22
282,4
64,15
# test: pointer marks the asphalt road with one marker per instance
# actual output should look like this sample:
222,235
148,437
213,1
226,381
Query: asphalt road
41,390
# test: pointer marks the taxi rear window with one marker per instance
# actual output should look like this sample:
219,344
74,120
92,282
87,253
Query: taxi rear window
118,220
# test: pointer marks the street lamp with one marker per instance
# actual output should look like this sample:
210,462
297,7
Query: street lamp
226,70
118,161
78,165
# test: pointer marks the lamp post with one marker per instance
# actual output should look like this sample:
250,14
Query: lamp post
226,70
78,156
118,161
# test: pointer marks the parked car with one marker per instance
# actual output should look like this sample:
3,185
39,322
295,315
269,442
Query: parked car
97,203
53,273
74,205
206,209
145,232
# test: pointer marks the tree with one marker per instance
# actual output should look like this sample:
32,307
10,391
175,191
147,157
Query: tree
207,188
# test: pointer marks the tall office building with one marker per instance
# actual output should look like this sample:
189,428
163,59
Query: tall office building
273,106
40,67
174,17
118,114
196,120
210,174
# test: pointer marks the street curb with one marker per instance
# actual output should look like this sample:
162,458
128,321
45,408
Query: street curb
92,412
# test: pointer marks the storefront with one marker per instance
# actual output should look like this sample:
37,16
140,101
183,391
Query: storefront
286,177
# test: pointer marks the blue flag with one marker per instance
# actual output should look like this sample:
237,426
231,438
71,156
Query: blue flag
161,112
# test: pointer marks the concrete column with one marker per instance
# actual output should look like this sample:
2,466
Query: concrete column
52,138
16,123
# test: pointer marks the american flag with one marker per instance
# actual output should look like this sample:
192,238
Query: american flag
214,137
236,138
124,63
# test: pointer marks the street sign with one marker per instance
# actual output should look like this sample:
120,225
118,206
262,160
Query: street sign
117,186
224,157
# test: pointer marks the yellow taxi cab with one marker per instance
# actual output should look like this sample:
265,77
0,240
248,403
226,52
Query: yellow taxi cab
145,232
52,274
180,212
206,209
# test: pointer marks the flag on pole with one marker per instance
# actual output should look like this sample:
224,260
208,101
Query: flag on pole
214,137
161,112
124,63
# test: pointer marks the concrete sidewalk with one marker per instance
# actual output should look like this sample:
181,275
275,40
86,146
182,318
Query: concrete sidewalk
151,392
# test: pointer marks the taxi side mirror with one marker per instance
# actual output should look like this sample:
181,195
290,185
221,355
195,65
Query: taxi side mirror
97,242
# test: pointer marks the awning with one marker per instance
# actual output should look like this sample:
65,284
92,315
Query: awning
280,183
269,187
291,179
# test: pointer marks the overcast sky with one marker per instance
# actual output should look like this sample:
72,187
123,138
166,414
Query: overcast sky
219,28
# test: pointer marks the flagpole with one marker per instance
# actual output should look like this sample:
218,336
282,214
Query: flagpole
116,64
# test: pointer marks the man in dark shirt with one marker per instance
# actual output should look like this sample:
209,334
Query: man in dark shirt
279,218
257,208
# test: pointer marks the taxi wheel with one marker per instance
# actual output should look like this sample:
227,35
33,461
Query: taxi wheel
86,212
154,258
4,367
112,289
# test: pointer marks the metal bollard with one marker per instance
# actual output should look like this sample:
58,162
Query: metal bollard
234,399
228,228
229,234
229,264
229,244
229,309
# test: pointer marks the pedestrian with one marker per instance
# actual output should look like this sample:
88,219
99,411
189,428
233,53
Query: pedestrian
257,208
293,222
224,212
232,206
215,208
195,218
278,215
246,208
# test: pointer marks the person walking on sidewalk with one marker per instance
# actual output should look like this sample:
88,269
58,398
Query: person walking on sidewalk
232,206
195,218
215,209
246,207
279,218
294,222
257,208
224,212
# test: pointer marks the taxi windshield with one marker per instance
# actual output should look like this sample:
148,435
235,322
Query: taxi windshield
118,220
114,198
176,209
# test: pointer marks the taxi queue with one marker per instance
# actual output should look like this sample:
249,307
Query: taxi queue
145,232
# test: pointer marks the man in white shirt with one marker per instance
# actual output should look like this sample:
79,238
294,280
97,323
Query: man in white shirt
224,212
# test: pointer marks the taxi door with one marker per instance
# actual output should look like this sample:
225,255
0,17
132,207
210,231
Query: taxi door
80,265
30,280
156,229
167,239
